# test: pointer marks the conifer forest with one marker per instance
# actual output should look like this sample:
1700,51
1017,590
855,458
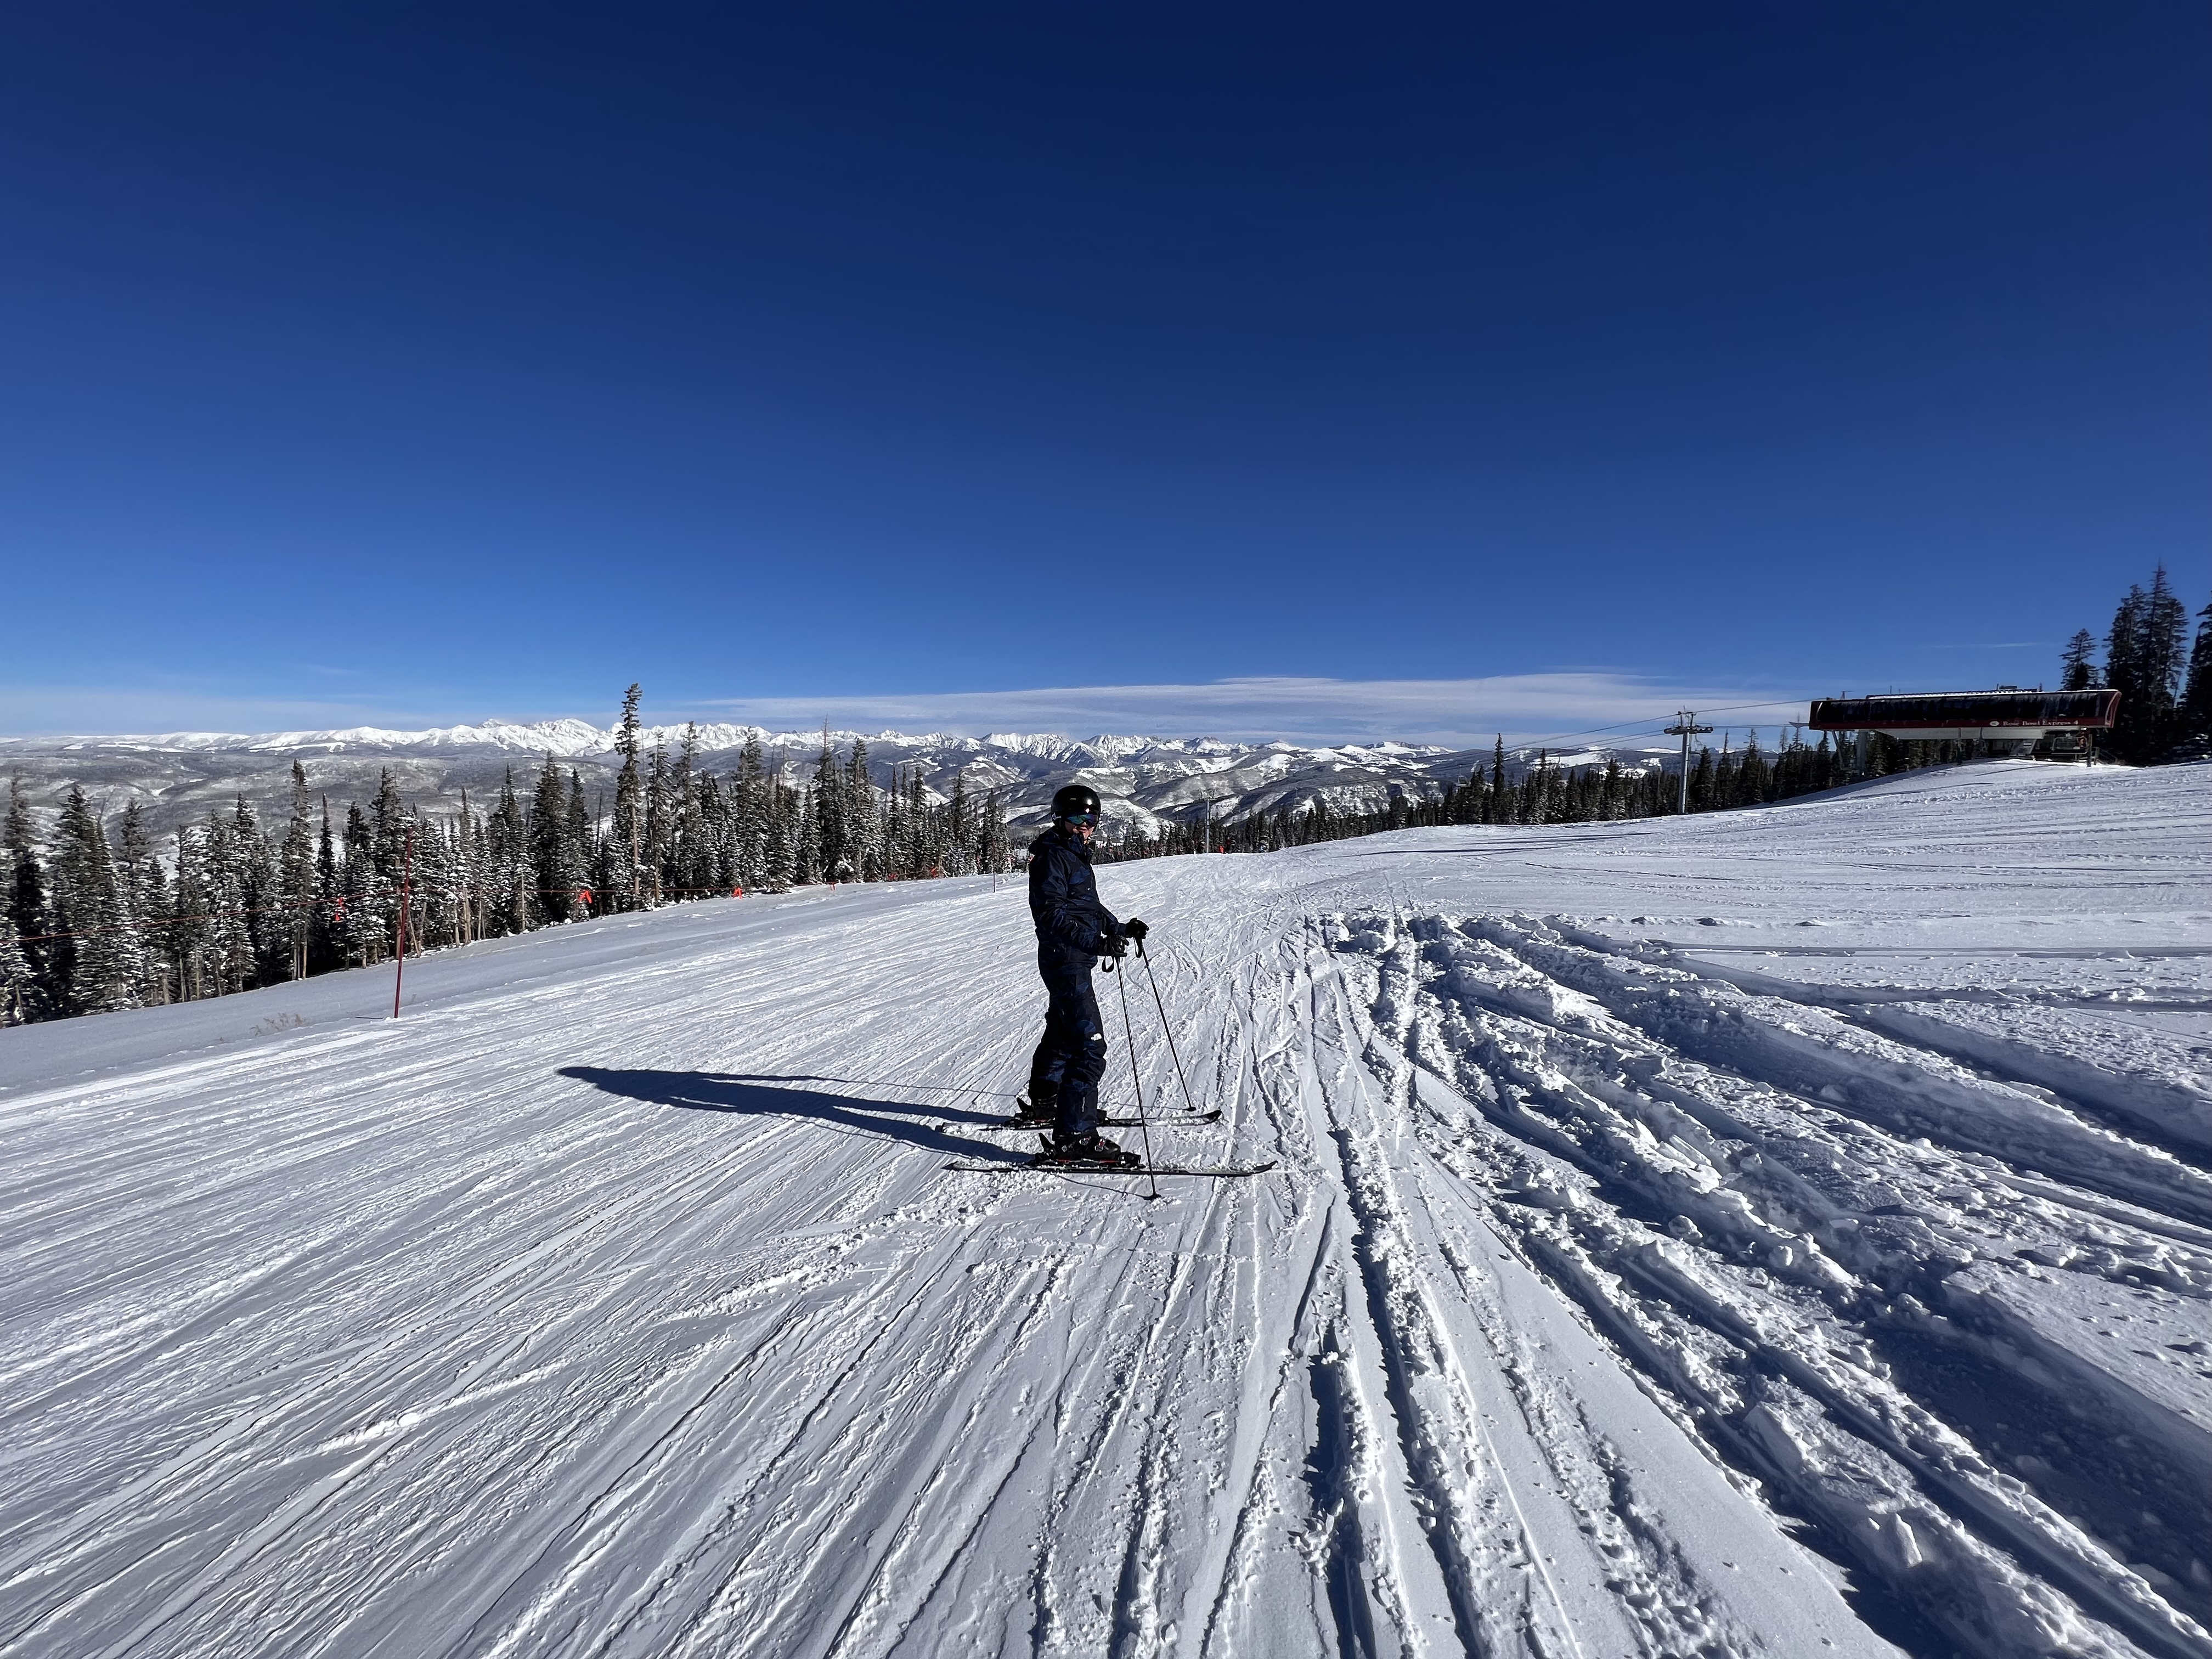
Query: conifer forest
94,921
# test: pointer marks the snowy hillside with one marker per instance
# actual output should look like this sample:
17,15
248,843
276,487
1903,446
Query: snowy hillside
178,776
1781,1232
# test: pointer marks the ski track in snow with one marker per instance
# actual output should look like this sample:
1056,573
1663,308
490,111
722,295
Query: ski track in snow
1779,1233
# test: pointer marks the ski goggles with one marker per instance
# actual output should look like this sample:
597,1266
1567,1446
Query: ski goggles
1081,820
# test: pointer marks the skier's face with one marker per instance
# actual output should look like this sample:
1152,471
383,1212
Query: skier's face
1084,830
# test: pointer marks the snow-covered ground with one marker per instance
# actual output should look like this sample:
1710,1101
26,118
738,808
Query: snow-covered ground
1783,1233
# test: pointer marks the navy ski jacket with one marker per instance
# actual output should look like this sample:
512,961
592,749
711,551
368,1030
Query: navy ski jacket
1071,926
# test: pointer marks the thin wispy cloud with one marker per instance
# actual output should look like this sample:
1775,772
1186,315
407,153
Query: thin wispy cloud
1522,708
44,711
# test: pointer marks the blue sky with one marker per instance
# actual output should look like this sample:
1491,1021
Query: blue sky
428,363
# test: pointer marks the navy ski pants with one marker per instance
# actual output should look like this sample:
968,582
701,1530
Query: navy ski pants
1073,1054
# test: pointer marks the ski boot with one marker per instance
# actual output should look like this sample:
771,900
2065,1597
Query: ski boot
1040,1109
1090,1152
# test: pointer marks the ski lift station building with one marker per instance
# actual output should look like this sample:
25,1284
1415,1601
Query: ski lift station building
2004,721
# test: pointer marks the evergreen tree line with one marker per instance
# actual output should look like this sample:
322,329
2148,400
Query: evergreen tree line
90,923
2164,677
1548,794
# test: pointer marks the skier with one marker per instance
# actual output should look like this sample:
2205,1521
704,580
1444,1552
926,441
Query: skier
1073,929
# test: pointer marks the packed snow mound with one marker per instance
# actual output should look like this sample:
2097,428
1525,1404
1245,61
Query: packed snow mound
1779,1232
177,777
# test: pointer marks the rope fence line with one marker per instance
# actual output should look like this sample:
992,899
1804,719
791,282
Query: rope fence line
582,895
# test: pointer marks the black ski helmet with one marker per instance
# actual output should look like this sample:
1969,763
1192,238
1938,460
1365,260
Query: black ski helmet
1076,800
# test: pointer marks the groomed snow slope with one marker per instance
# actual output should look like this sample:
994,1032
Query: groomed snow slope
1784,1232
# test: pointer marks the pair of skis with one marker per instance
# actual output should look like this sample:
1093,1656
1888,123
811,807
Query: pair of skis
1113,1169
1046,1166
1227,1172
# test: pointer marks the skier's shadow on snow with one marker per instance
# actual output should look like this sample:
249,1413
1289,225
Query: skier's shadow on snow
753,1095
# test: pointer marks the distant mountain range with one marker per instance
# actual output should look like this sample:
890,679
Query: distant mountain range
178,776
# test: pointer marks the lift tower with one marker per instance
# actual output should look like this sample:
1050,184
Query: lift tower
1686,726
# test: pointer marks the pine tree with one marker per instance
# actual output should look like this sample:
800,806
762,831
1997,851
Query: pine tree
430,888
2124,670
390,821
506,844
484,878
2078,671
627,861
959,857
658,823
1470,806
458,833
862,857
684,863
779,869
25,900
1701,781
360,930
553,876
295,879
141,890
261,925
18,989
822,829
2144,660
1751,774
991,833
713,869
806,842
751,811
2195,716
223,960
580,837
184,941
326,943
2164,658
105,973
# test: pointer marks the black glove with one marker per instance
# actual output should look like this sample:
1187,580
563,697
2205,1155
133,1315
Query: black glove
1114,945
1135,929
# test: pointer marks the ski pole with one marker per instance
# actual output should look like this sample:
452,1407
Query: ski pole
1144,1127
1153,980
